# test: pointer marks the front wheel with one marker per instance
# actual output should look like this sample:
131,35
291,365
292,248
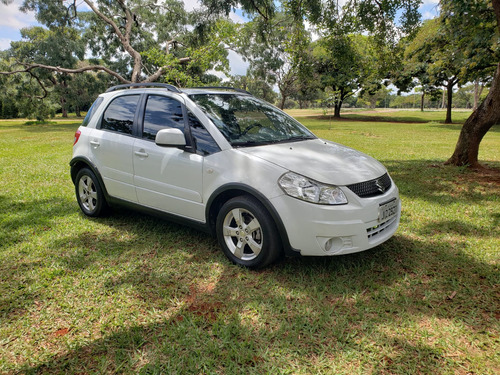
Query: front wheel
89,194
247,233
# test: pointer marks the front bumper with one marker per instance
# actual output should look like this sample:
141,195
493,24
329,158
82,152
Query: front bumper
321,230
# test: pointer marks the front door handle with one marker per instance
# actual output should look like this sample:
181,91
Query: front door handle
141,154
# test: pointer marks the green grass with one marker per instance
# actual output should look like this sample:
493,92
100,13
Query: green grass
131,293
385,114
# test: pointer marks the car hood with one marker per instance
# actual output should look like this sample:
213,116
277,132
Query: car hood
321,160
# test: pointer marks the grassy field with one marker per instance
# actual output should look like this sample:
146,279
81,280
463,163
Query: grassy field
133,294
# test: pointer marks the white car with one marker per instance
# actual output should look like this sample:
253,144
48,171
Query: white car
234,166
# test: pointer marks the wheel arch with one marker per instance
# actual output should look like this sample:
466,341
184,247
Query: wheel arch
229,191
80,162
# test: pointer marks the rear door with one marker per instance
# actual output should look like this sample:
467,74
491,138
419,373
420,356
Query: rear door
111,146
167,178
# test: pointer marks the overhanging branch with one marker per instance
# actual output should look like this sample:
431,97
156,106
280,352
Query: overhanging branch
29,67
45,92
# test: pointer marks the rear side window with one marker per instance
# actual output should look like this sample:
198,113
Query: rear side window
92,110
161,112
119,116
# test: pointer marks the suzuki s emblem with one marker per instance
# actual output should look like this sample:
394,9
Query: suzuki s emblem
380,186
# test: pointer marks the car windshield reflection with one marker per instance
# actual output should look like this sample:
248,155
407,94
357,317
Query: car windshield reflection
246,121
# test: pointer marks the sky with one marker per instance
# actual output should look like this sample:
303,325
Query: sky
12,20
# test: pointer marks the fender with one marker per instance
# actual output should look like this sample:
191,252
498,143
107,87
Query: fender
228,191
79,162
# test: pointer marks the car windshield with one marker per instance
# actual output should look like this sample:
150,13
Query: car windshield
248,121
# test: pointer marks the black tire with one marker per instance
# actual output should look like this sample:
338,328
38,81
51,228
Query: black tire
247,233
89,193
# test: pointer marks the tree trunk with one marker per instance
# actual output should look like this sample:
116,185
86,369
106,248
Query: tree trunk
422,102
336,112
64,108
77,111
476,126
444,98
481,120
449,89
476,94
282,102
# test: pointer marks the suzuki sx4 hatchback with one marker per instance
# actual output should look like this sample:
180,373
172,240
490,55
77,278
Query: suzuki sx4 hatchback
235,166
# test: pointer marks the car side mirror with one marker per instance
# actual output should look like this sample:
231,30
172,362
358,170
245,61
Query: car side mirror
170,138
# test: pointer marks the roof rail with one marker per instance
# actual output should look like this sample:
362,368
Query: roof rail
222,88
144,84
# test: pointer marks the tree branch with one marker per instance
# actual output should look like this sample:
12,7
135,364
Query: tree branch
29,67
106,19
130,20
160,71
41,85
266,18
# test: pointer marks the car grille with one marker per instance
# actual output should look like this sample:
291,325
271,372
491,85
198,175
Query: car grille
379,229
372,188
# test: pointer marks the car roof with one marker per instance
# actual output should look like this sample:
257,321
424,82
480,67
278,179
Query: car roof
174,89
214,90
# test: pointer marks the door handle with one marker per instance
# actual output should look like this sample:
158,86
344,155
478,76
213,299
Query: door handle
141,154
94,143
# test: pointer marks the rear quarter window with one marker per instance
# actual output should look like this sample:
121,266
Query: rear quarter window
92,111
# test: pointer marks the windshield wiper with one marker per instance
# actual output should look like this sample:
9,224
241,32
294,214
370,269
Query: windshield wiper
249,143
296,138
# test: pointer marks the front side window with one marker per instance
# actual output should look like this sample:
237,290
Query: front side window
247,121
161,112
203,141
119,116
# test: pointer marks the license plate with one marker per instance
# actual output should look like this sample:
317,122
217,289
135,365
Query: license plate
388,210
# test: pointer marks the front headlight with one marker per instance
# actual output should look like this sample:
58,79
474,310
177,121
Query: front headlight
301,187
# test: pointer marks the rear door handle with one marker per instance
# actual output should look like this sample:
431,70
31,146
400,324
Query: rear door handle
94,143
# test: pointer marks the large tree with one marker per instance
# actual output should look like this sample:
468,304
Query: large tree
38,44
433,58
275,51
475,21
256,85
345,65
127,36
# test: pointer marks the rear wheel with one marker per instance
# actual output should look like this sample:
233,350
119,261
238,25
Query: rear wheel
247,233
89,194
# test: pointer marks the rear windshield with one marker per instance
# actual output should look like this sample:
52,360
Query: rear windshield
247,121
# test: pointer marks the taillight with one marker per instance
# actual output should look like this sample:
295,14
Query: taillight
77,137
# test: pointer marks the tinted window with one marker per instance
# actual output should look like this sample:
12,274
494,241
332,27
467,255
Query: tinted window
161,112
248,121
119,116
203,141
92,110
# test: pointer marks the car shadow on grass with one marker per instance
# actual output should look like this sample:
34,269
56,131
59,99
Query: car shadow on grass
387,310
22,220
21,223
